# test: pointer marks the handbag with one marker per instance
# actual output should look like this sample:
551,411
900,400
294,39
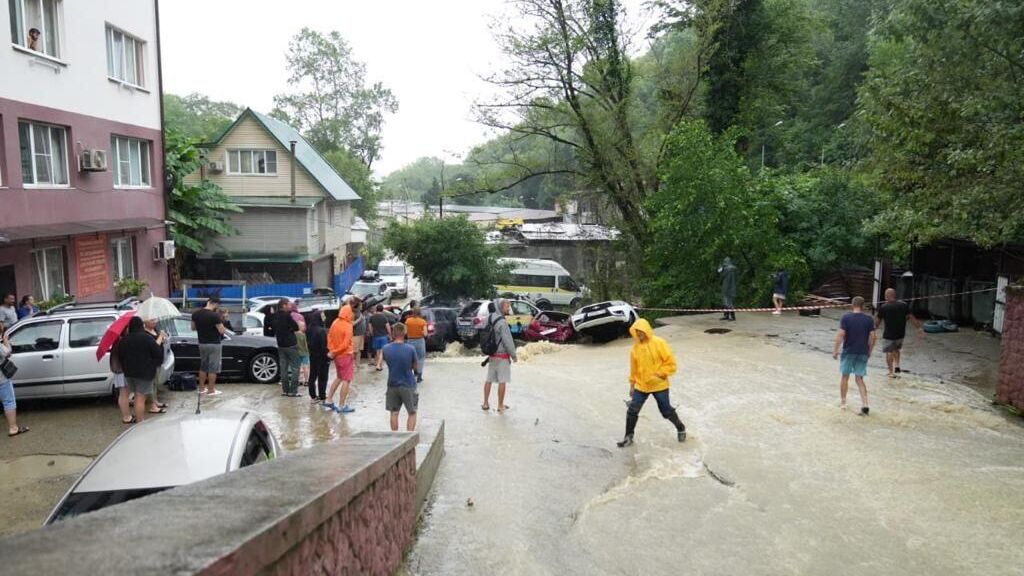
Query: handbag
8,369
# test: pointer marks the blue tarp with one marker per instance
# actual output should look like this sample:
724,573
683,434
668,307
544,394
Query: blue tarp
343,282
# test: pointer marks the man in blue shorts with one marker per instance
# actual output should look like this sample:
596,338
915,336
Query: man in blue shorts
380,326
401,359
857,338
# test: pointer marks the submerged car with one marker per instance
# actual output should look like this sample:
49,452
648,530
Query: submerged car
166,452
604,321
473,319
551,327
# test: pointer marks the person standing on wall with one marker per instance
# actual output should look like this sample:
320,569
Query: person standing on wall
210,330
857,337
895,314
283,328
727,272
416,329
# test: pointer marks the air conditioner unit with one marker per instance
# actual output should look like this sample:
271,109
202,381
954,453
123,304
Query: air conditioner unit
164,250
215,166
94,160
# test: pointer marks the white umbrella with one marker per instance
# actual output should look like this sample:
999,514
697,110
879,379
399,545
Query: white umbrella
156,308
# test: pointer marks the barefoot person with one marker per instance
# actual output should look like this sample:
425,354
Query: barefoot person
340,349
401,361
501,353
857,338
895,314
651,362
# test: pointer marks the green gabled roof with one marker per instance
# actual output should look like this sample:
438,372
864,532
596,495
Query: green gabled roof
307,156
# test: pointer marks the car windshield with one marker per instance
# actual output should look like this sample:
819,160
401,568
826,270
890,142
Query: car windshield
391,270
83,502
365,289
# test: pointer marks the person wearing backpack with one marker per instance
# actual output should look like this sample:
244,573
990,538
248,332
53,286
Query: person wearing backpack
496,342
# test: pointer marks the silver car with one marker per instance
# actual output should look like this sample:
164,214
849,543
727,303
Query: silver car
162,453
56,353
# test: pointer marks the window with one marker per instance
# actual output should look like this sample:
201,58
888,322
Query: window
124,258
126,57
252,162
48,273
533,281
87,332
44,154
35,25
250,322
131,162
567,283
183,327
39,337
522,309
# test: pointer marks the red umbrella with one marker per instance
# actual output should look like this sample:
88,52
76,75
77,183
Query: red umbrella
112,334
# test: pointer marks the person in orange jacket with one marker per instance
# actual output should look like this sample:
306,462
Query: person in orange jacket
651,362
341,349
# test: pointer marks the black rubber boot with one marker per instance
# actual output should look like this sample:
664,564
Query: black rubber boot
680,427
626,441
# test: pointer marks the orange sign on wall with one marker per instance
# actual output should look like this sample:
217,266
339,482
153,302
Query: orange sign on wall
92,265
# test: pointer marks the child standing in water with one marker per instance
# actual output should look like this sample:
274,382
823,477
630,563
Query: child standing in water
651,362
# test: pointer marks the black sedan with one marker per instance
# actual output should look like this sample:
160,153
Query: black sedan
250,358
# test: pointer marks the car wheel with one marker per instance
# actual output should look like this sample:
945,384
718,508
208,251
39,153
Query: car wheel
263,368
544,305
575,304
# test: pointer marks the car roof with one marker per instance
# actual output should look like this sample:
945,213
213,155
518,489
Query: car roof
172,450
89,312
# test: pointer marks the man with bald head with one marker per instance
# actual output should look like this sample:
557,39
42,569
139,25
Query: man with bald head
894,313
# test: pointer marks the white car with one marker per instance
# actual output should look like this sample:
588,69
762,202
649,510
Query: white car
604,321
395,274
372,291
162,453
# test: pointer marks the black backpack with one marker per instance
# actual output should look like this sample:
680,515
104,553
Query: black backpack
489,339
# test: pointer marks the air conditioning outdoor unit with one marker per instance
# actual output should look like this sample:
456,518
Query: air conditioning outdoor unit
164,250
215,166
94,160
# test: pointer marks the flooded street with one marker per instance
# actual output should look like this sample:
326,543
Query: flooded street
774,479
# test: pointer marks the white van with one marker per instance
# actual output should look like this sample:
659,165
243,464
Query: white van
546,282
395,274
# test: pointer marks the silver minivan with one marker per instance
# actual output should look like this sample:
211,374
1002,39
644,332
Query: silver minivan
56,353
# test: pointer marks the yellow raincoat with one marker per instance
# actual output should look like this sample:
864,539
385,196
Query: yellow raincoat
651,362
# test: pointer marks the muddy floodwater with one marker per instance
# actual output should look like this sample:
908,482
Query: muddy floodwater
774,478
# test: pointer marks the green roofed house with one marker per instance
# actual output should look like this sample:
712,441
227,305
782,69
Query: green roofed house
296,224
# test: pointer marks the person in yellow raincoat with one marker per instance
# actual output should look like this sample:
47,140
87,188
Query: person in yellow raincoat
651,362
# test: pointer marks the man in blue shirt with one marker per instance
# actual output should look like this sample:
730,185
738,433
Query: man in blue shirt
401,360
857,338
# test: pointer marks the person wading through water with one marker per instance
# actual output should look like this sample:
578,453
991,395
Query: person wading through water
651,362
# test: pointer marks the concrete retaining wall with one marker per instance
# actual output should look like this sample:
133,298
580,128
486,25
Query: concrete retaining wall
1011,365
347,507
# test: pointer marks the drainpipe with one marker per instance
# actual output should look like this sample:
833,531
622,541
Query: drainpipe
292,143
163,141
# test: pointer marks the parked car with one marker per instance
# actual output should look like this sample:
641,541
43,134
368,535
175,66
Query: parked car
396,275
371,292
251,358
252,324
604,321
55,352
550,326
473,319
162,453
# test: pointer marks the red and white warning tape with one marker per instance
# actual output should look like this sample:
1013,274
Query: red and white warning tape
834,304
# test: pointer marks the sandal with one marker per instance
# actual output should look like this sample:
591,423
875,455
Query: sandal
160,405
21,430
485,407
158,411
131,420
503,408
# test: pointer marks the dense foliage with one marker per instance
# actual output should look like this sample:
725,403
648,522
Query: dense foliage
450,256
199,212
198,118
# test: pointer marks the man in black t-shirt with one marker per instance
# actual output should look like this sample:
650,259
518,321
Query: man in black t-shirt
210,330
894,313
283,327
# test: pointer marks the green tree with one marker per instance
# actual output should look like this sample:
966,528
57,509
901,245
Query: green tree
709,207
945,101
199,212
196,117
357,175
330,100
450,256
738,36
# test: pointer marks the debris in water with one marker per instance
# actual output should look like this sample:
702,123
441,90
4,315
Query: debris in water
717,331
537,349
537,421
723,480
469,502
51,462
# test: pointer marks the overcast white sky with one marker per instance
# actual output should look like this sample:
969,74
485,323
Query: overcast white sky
429,53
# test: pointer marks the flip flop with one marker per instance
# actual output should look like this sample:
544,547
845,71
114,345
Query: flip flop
485,407
21,430
503,408
132,420
160,405
159,411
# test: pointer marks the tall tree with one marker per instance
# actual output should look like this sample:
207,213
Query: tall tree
945,100
358,176
197,117
738,36
330,100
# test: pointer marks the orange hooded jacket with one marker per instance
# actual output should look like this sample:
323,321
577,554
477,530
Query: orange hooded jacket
339,339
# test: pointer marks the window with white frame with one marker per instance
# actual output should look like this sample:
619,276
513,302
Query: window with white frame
124,258
44,154
48,273
35,25
126,57
252,162
131,162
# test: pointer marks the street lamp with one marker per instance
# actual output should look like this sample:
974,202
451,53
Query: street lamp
776,125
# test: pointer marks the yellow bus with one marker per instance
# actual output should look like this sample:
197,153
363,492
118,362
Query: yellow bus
546,282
